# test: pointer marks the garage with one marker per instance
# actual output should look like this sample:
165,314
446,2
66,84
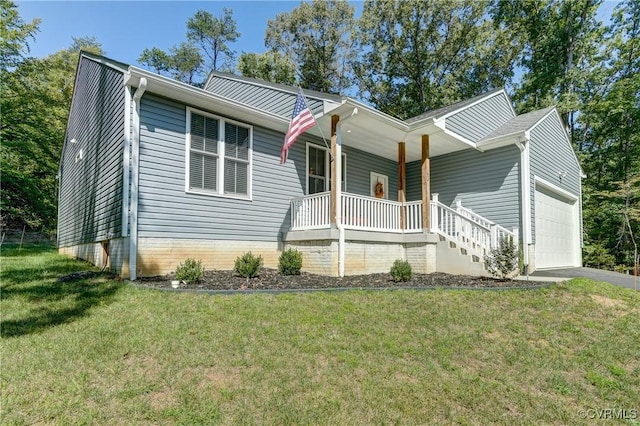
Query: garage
557,243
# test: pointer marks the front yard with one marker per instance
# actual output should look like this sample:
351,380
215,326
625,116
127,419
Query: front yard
99,351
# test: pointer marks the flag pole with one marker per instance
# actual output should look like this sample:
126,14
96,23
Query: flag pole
319,126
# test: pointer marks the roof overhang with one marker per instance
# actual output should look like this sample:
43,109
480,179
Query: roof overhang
369,130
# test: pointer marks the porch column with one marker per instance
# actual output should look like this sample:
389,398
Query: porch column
334,170
402,179
426,184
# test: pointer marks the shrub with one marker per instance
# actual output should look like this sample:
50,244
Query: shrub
290,262
191,271
248,265
502,261
401,271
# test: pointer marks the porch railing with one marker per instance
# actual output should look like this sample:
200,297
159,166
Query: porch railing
358,212
310,211
461,225
468,229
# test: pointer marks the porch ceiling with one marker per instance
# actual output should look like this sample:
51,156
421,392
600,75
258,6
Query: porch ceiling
377,133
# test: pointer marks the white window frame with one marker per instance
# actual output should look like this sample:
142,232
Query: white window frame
327,167
220,157
374,177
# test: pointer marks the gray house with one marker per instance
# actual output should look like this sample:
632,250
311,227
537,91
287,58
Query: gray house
154,171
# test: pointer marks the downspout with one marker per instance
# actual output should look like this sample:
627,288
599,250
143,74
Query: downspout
525,203
338,178
135,153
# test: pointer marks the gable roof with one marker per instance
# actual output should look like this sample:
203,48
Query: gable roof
446,110
519,124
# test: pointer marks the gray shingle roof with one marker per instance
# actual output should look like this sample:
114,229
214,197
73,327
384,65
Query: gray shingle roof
519,124
437,113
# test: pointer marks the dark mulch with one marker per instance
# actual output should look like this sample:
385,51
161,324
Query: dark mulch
270,279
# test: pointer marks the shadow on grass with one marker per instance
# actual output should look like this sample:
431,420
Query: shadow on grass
52,292
82,297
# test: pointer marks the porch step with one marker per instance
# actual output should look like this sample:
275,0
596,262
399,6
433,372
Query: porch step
451,259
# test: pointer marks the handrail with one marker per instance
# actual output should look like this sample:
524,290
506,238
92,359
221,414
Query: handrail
468,229
310,211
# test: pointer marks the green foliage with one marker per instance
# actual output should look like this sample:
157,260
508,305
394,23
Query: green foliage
597,256
270,66
290,262
213,36
401,271
191,271
502,261
248,265
422,55
317,37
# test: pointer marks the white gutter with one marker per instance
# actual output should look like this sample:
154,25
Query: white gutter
126,161
338,178
525,190
135,153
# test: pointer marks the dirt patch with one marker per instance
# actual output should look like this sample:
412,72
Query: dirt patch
608,302
270,279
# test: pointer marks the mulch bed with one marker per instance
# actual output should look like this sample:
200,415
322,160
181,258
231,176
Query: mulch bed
270,279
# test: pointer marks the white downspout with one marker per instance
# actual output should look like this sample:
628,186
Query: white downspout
135,153
525,205
338,178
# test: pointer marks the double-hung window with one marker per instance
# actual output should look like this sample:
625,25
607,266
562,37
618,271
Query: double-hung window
219,155
318,166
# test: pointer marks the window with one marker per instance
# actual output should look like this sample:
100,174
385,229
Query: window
318,169
219,153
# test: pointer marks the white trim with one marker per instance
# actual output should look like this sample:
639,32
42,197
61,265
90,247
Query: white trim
484,98
135,158
526,212
551,187
327,165
126,161
373,179
220,156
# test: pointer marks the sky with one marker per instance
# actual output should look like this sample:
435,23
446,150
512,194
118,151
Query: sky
126,28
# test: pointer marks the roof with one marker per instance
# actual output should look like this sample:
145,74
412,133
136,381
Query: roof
519,124
441,112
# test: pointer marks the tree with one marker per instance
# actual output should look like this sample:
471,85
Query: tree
610,141
270,66
14,35
213,36
316,36
418,56
36,95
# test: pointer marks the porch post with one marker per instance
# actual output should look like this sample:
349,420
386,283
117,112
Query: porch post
402,178
426,184
334,171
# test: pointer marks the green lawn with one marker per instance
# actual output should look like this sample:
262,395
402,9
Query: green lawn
99,351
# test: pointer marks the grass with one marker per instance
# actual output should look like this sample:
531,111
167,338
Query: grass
99,351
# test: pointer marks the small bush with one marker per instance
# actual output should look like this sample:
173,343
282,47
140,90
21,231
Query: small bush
503,260
290,262
191,271
248,265
401,271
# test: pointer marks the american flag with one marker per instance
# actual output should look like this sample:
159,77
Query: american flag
301,121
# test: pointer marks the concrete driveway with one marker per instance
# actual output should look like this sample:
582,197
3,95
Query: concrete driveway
628,281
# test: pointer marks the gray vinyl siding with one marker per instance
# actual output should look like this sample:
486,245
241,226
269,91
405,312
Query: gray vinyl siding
479,120
360,164
551,153
165,210
90,196
487,183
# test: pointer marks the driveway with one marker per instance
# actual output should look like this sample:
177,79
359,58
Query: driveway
623,280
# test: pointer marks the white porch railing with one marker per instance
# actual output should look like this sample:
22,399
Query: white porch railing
461,225
358,212
310,211
468,229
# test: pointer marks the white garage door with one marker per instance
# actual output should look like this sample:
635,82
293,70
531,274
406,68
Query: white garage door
557,230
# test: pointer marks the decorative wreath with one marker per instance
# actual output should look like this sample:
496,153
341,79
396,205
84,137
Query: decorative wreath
379,191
